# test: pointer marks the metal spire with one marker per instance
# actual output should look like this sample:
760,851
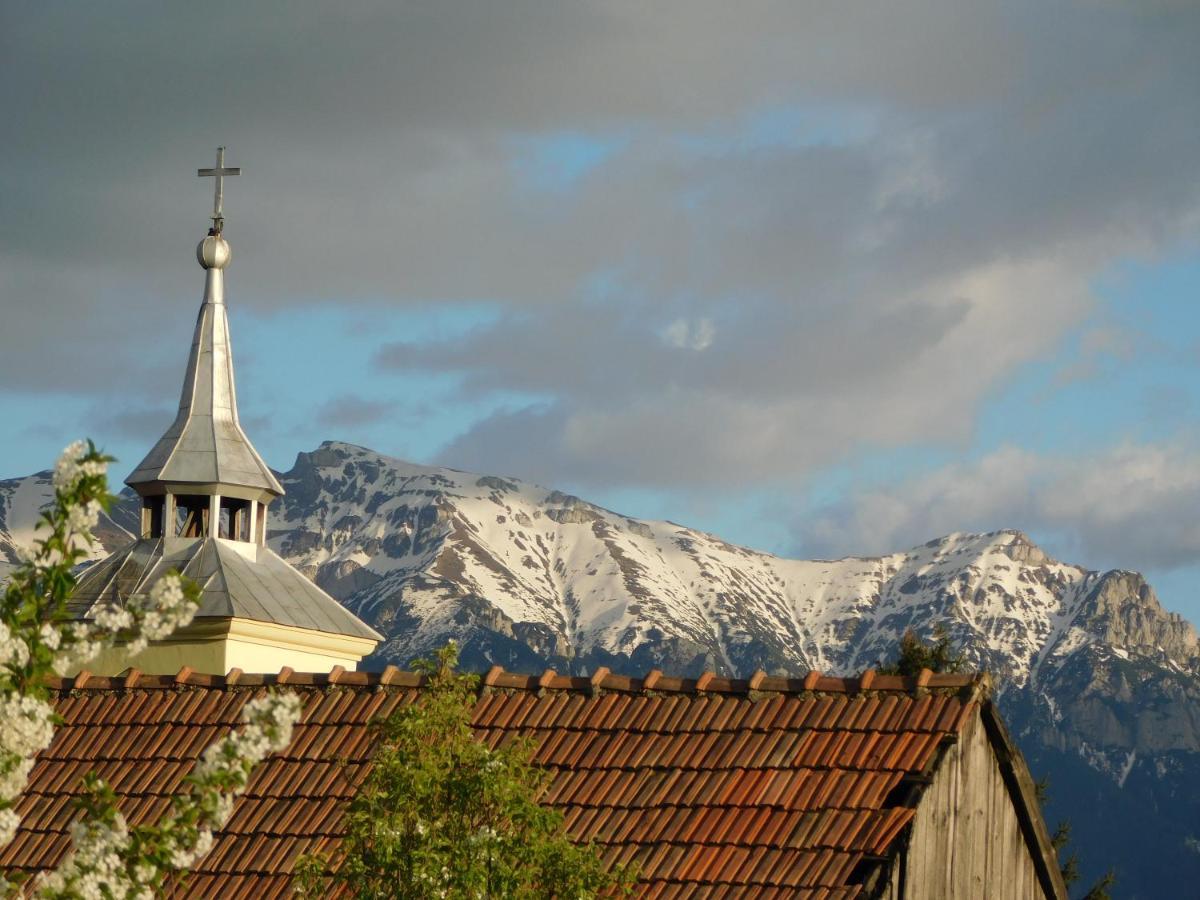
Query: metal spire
205,492
218,174
206,447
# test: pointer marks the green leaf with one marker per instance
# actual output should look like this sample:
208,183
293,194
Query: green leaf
442,813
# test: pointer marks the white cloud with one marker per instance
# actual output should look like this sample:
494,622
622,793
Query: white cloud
687,334
1133,505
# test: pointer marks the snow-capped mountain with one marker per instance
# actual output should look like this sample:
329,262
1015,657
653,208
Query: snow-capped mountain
1101,684
427,553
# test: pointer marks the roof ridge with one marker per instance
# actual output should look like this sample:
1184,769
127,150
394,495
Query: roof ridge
497,678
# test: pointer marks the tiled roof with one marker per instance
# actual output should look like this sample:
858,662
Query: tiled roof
762,787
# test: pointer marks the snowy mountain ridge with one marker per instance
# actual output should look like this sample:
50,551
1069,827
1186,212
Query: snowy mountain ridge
21,503
399,542
427,553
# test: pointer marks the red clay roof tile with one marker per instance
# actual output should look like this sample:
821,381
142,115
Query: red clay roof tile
757,788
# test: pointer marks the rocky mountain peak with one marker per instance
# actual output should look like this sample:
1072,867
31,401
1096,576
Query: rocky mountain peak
1123,611
442,552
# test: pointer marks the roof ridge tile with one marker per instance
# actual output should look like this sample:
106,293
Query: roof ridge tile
758,686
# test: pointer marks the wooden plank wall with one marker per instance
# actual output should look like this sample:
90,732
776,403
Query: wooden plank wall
966,841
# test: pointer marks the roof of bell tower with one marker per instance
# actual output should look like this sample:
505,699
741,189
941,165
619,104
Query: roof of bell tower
205,447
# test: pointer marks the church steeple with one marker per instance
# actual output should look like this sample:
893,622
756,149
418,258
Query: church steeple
205,492
205,450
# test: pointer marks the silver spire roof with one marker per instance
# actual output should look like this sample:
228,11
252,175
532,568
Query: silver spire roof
206,445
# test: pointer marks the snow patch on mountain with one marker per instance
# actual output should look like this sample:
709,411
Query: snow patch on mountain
425,553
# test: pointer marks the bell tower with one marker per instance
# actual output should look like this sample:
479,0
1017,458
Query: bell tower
204,478
205,495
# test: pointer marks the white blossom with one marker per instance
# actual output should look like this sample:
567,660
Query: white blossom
13,650
9,821
71,466
80,649
15,775
50,635
28,729
168,609
113,618
95,867
151,617
66,471
83,519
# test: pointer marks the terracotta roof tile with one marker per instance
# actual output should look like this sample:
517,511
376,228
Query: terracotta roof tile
767,787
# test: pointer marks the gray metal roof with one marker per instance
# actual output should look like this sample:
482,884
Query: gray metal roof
206,444
265,589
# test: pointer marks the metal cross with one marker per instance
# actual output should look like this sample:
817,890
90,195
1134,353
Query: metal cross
219,174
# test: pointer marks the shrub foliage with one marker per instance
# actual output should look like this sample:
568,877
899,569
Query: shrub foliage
441,814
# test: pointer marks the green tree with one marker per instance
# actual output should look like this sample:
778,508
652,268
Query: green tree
1069,866
915,654
442,814
1099,890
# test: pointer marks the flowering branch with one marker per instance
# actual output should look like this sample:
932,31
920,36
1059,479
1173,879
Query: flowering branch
111,860
33,614
36,638
170,605
108,859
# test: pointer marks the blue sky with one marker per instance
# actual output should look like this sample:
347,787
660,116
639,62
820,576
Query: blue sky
820,282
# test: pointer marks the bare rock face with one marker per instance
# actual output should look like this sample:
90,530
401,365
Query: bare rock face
1126,613
1023,550
344,579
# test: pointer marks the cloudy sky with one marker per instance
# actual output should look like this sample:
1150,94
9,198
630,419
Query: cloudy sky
823,278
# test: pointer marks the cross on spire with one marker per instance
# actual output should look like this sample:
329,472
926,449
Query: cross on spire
218,174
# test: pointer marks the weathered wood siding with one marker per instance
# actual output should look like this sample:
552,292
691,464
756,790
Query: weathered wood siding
966,841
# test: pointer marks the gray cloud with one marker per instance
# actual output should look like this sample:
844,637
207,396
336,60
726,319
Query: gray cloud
779,402
864,285
347,411
139,424
1131,506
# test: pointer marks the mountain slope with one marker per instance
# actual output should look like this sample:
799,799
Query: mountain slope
1101,685
397,542
21,503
